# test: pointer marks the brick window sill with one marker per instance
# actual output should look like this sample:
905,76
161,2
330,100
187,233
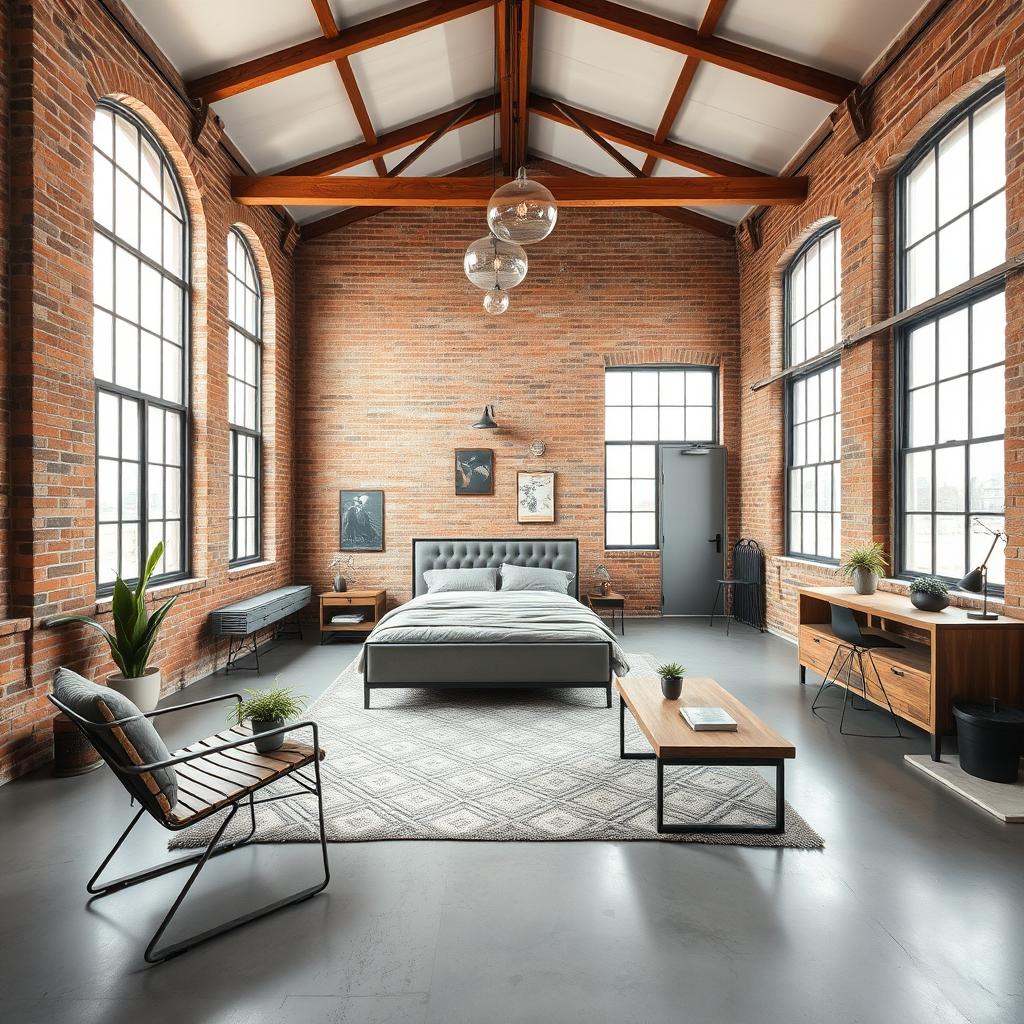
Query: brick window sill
252,569
10,626
158,593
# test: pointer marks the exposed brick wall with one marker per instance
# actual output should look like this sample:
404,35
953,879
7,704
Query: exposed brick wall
64,56
967,44
398,359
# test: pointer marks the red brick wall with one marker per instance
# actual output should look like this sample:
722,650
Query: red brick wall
967,44
64,56
398,359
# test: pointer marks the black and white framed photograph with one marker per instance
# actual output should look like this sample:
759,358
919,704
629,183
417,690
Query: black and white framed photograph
474,471
361,516
535,498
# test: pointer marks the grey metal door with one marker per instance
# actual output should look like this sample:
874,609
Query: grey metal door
692,527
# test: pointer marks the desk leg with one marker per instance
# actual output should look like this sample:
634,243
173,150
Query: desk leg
803,675
936,747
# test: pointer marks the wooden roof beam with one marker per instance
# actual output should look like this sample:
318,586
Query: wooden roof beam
768,67
449,191
503,78
310,54
625,135
388,142
707,26
523,70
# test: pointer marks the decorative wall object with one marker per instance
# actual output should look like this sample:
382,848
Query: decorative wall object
361,520
535,498
537,449
474,471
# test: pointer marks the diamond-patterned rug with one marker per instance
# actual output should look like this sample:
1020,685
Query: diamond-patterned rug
513,765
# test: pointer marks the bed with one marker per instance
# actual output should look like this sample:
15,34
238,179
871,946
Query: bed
495,639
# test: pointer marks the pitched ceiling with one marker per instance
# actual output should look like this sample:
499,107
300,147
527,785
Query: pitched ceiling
595,69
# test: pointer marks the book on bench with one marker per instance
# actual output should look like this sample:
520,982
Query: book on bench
708,719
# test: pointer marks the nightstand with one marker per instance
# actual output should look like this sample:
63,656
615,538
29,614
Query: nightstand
371,603
613,601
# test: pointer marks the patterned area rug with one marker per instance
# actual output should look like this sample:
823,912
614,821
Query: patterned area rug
515,765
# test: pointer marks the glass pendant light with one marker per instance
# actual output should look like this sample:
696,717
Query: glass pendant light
522,211
496,300
489,261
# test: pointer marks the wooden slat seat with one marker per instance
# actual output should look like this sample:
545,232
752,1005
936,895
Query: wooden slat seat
213,781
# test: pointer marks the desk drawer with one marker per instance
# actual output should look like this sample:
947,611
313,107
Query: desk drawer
908,688
816,650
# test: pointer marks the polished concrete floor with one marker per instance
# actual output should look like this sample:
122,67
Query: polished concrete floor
912,913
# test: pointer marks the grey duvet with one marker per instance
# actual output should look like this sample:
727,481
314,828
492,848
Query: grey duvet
495,617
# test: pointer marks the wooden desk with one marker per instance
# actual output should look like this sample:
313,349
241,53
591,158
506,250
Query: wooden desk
371,602
945,655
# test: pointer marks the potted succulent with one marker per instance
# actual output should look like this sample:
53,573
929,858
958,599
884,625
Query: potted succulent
929,594
267,710
864,566
338,563
671,679
135,633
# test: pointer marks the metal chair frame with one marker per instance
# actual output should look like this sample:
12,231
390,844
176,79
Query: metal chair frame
850,652
128,775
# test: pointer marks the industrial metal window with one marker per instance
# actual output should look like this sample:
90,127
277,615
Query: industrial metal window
813,316
245,358
950,363
140,355
645,408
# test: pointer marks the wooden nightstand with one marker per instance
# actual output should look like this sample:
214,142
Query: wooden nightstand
612,600
370,602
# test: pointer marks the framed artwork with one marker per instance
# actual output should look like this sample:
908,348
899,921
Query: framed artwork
361,520
474,471
535,498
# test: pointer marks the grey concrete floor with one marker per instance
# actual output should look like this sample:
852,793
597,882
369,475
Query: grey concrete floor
912,913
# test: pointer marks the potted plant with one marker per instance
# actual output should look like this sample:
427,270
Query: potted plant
135,633
671,679
339,562
267,710
929,594
604,579
864,567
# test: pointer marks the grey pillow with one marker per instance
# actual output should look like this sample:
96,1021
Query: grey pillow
444,581
531,577
138,742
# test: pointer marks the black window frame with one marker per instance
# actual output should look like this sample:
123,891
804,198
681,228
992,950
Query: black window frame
237,433
821,360
901,367
145,401
657,445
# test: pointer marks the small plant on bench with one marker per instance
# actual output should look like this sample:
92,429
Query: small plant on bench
671,679
268,710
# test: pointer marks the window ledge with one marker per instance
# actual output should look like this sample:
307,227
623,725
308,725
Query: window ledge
810,563
159,593
10,626
239,572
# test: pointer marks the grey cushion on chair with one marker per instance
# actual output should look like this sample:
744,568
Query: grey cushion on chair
135,742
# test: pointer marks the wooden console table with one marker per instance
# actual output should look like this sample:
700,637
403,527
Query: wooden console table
945,655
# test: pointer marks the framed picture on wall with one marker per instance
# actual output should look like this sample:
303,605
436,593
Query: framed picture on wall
474,471
361,520
535,497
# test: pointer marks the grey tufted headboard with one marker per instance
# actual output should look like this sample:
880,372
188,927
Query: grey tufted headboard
458,553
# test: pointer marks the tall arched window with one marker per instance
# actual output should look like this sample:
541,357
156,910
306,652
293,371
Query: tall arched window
245,359
812,295
951,228
140,328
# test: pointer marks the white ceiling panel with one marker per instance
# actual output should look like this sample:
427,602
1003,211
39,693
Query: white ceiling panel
842,36
593,68
291,120
456,149
353,12
407,79
729,214
747,120
303,214
200,37
566,145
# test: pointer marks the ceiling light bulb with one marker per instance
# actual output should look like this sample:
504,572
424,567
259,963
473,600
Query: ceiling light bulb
496,300
522,211
491,261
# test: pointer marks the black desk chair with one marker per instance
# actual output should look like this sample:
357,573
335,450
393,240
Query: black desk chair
855,644
748,576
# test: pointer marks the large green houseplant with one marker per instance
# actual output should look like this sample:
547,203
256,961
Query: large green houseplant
135,633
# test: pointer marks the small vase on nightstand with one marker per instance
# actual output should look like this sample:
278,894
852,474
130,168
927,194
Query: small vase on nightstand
340,586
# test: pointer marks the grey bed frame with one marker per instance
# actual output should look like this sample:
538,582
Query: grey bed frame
489,665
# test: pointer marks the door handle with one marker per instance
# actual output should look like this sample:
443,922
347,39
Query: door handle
717,541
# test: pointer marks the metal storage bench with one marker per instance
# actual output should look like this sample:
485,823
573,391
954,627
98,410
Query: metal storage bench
242,621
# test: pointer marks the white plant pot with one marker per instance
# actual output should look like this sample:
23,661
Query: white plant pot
143,691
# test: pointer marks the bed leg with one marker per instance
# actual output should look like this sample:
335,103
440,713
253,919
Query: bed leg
608,694
366,697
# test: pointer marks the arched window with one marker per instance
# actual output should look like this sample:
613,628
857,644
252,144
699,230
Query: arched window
812,294
951,228
140,329
245,359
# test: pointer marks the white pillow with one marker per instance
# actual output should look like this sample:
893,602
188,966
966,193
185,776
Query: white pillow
446,581
529,577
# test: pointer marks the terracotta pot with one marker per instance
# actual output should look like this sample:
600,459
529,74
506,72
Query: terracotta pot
143,691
